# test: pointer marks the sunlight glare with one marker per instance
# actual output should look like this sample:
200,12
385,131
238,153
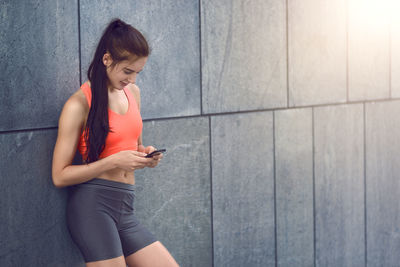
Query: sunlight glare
374,16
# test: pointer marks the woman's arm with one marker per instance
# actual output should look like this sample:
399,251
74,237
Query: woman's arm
69,130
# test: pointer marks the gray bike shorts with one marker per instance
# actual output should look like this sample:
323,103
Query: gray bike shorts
101,220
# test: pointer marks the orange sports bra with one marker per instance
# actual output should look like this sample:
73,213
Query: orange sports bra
124,129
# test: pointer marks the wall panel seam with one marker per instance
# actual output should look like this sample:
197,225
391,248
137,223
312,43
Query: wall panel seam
287,53
274,164
347,54
234,112
292,107
390,59
200,61
365,187
28,130
313,182
79,42
211,192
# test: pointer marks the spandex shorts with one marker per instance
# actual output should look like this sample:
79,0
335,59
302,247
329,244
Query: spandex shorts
101,220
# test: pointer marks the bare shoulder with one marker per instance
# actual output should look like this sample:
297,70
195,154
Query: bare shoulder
77,102
134,89
76,107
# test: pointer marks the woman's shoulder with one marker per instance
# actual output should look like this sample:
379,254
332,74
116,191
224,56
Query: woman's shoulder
77,103
134,89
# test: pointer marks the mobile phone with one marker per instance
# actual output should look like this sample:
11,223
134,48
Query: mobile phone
155,152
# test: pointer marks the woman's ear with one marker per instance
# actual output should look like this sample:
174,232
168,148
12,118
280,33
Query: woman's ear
107,60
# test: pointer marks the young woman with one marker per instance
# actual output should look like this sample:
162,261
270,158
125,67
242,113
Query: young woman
102,119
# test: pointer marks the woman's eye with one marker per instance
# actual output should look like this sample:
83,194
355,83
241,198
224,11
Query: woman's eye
128,72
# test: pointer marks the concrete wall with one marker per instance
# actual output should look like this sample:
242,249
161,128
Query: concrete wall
280,119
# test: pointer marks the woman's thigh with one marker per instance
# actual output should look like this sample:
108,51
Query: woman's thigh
153,255
91,224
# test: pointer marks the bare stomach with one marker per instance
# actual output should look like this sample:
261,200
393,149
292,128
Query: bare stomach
118,175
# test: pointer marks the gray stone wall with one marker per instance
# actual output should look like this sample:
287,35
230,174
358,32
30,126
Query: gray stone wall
280,120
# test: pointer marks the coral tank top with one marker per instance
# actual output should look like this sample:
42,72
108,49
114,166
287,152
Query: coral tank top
124,129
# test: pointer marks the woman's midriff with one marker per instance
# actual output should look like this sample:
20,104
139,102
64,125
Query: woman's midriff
118,175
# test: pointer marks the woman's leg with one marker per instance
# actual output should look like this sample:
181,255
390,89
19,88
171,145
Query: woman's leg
153,255
115,262
91,214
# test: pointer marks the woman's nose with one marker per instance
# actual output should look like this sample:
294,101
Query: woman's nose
132,78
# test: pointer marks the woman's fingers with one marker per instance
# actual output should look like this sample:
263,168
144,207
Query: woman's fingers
156,160
157,157
133,160
138,153
141,148
149,149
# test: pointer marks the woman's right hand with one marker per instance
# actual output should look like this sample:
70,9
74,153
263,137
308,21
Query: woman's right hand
131,160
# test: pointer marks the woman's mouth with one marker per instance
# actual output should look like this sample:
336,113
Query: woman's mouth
123,84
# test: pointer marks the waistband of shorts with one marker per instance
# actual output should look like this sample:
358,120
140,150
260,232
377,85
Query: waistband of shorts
109,183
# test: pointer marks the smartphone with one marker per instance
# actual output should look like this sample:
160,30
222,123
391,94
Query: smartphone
155,152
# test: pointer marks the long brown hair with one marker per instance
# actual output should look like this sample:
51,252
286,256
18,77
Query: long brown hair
121,41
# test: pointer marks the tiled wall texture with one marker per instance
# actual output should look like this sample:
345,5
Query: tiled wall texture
280,119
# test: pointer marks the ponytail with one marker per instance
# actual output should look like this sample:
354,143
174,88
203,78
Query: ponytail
121,41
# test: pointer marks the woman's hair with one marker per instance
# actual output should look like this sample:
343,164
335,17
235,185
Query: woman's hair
122,42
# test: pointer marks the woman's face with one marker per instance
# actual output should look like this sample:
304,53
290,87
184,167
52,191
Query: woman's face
124,72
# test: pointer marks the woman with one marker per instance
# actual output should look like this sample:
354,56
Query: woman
102,119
